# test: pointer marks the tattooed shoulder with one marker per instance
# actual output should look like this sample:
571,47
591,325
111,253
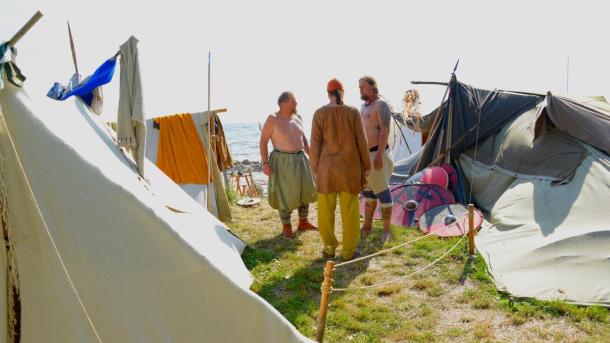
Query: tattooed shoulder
385,114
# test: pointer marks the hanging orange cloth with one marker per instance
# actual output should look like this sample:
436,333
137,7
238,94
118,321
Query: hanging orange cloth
180,153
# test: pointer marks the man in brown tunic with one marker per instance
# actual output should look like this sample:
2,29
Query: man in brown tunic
339,160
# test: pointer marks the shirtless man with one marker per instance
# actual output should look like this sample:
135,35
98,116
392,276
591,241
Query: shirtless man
291,184
376,116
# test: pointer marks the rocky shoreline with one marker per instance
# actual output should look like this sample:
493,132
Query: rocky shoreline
245,165
260,179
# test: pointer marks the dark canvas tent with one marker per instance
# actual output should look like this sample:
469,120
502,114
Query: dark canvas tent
539,168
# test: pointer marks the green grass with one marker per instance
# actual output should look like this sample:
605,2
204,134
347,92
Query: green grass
455,300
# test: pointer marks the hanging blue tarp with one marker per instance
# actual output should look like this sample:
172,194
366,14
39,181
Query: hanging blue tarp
101,76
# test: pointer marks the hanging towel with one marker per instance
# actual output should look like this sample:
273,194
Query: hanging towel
219,145
180,152
131,127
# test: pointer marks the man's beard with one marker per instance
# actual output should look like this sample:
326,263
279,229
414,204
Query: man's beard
364,97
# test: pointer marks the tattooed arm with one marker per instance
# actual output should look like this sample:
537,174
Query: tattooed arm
384,117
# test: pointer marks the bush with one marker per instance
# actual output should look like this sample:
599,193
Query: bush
231,195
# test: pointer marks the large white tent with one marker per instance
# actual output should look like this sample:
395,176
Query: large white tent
98,253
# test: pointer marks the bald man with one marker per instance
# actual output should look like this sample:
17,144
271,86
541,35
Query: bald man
291,185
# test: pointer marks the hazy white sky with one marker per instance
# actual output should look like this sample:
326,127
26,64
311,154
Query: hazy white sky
260,48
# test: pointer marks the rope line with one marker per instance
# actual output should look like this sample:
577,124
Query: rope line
65,270
392,248
403,277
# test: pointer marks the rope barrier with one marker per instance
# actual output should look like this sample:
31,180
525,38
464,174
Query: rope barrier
392,248
401,278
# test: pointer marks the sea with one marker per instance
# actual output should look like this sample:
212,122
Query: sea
243,140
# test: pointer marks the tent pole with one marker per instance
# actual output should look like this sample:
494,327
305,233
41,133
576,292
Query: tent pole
437,116
449,129
209,142
35,18
72,48
434,127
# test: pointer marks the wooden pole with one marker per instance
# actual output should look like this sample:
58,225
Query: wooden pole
35,18
326,288
449,130
72,48
209,136
471,229
437,118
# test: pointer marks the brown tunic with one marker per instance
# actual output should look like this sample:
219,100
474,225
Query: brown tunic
339,153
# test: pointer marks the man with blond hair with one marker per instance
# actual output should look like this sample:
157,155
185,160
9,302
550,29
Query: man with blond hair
377,116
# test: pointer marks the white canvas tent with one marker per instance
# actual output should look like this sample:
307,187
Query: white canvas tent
403,141
99,251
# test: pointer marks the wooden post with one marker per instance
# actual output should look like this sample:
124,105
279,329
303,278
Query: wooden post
208,147
471,229
326,288
35,18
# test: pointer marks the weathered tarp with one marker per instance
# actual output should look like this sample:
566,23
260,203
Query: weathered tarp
587,120
475,114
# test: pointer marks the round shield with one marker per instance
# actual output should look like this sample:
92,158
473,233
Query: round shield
448,220
411,201
432,176
452,173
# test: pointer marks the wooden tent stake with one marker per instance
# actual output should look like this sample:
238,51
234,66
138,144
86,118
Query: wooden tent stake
326,289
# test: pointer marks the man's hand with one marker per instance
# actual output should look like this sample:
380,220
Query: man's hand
378,163
267,169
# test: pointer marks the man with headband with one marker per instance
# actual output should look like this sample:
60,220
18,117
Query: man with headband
377,116
340,161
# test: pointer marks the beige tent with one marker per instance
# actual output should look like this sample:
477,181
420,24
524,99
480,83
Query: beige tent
99,254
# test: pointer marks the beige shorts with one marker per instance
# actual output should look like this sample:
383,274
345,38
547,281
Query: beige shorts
379,180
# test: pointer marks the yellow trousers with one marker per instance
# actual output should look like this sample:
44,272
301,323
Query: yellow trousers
350,218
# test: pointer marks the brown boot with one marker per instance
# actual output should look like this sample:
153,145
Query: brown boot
386,215
305,225
369,211
287,231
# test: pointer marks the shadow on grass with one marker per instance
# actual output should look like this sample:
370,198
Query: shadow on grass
466,271
297,296
266,250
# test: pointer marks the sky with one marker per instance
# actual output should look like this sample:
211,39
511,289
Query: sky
261,48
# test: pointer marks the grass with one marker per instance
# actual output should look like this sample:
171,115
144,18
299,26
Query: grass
453,301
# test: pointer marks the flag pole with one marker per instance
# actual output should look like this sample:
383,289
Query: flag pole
209,142
72,48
